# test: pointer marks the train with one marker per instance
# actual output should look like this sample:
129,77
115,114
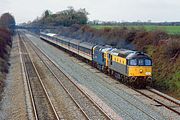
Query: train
129,66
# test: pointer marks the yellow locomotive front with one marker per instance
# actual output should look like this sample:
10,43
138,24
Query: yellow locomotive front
130,66
139,68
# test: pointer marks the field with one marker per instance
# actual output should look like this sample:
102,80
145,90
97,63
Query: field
173,30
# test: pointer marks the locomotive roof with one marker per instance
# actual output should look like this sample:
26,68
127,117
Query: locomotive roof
106,49
121,52
129,54
138,55
102,48
99,47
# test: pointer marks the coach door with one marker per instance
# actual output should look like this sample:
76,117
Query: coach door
106,58
110,60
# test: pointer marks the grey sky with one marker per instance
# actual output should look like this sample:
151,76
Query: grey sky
106,10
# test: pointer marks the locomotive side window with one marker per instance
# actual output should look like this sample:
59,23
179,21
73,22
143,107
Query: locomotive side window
111,59
133,62
147,62
103,57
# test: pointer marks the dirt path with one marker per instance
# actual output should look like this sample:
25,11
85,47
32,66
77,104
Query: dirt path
13,104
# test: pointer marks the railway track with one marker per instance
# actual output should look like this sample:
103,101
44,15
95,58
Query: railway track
41,103
177,102
161,99
85,104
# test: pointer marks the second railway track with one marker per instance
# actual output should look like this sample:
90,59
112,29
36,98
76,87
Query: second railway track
85,104
161,100
41,103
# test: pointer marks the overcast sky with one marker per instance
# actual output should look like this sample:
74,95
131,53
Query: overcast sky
106,10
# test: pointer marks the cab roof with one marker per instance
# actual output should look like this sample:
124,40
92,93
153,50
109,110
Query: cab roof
121,52
138,55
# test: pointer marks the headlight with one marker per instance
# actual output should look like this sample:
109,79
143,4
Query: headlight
140,71
148,73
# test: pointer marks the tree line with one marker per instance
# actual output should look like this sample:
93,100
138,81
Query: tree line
62,18
7,21
7,25
138,23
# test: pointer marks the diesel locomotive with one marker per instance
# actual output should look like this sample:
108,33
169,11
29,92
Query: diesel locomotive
129,66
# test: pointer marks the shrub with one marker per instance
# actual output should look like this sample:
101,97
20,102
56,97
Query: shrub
172,48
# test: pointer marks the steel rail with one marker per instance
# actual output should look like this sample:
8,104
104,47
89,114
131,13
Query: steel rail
154,99
161,95
69,78
44,89
27,78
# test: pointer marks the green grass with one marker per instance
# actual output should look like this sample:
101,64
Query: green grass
173,30
176,80
104,26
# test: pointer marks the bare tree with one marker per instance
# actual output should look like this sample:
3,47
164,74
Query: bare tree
7,21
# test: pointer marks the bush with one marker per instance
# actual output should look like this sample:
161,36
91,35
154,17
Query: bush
5,39
172,48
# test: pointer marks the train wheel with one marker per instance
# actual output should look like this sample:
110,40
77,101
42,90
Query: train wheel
142,86
111,73
105,69
123,79
141,83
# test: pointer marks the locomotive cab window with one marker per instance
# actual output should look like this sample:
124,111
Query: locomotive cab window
133,62
103,57
141,62
148,62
